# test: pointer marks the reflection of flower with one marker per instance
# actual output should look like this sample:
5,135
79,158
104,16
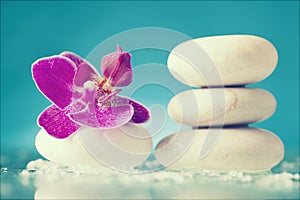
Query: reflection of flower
81,97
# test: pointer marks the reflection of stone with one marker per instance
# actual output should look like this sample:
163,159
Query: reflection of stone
53,181
86,187
121,148
238,60
244,149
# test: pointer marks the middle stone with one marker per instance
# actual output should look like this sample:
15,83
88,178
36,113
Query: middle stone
221,106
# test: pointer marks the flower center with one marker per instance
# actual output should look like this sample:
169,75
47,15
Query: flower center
105,85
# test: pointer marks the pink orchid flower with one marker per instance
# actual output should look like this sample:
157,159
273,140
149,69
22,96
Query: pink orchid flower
81,97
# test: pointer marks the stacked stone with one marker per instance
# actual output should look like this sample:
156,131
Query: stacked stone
239,60
96,149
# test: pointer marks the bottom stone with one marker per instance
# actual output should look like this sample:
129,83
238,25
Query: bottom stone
242,149
121,148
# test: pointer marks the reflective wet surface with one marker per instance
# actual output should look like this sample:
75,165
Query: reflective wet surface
45,180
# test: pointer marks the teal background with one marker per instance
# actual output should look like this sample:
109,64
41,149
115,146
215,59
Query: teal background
30,30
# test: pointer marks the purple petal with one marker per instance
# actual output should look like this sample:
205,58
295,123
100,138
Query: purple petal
141,113
116,67
107,96
109,62
54,78
110,115
85,73
57,123
72,56
81,103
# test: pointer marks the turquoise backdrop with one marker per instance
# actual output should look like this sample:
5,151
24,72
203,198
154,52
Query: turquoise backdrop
32,29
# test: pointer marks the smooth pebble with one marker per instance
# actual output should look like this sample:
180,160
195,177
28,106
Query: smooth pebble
227,59
241,149
231,106
121,148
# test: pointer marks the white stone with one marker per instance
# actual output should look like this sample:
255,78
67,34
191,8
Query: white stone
241,149
121,148
201,107
239,60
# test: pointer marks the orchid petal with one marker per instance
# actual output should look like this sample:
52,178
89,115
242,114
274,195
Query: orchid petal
85,73
116,67
105,116
74,57
88,96
141,113
54,78
56,122
106,97
109,62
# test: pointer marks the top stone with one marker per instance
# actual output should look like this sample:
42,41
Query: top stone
223,60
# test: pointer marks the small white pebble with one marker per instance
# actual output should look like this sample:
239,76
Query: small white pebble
296,177
246,179
25,173
277,181
178,178
4,169
213,173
